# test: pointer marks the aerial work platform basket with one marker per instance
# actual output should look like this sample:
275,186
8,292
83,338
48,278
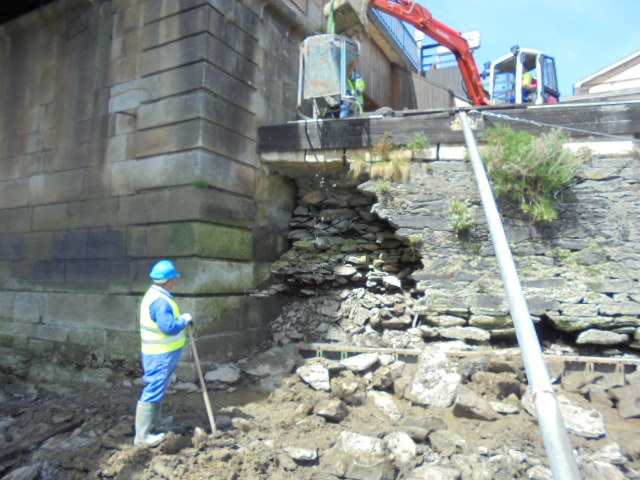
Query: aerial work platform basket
326,61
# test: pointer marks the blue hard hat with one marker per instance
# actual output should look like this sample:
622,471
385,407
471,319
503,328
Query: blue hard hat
164,270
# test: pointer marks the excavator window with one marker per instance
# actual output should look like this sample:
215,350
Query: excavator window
550,80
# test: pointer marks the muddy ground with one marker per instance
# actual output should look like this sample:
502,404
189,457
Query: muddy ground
53,432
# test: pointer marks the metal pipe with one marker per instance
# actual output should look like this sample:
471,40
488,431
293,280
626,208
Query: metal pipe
556,439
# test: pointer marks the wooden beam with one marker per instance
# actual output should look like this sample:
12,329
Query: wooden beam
582,120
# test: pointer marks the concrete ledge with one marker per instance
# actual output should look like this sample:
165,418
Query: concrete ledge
301,164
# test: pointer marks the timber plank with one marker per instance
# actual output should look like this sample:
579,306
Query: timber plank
584,120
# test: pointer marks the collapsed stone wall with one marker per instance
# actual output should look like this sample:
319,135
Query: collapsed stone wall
580,274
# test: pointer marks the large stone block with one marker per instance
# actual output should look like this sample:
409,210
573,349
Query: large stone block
92,213
158,9
227,86
123,344
106,242
192,49
50,217
91,337
126,45
219,139
128,19
14,193
56,187
7,300
96,182
116,312
12,246
70,244
148,207
198,105
118,148
175,81
214,277
233,34
168,139
47,272
184,239
86,275
16,275
128,95
223,208
123,70
130,276
38,245
28,307
15,219
186,203
175,27
196,133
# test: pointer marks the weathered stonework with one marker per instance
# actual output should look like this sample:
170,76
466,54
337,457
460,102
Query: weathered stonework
580,274
128,134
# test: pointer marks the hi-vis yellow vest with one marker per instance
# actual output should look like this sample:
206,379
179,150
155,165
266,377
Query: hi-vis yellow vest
154,340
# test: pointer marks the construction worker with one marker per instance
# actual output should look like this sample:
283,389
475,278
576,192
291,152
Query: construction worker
529,87
354,105
163,336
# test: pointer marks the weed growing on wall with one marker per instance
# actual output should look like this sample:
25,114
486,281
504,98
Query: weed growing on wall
532,171
420,142
384,188
461,217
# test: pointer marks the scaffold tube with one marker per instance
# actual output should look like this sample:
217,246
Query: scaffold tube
554,433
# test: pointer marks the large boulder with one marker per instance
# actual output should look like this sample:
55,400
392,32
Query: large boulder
359,457
435,381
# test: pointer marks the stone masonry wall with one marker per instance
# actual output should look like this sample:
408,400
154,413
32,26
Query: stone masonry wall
580,274
128,134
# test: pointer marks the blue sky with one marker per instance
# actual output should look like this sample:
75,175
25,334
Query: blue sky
584,36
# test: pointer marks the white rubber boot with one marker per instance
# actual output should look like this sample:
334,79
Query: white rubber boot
144,417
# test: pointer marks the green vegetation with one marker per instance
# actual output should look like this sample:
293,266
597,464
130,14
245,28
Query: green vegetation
531,171
461,217
420,142
201,184
384,188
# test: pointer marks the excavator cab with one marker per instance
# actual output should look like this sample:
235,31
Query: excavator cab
524,76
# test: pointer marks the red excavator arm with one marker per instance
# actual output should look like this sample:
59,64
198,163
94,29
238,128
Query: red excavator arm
421,18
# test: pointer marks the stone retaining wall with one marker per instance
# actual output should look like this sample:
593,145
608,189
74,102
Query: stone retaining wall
581,274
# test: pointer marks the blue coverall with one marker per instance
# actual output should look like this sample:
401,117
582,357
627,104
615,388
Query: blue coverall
159,367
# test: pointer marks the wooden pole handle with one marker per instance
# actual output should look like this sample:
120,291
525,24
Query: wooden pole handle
202,382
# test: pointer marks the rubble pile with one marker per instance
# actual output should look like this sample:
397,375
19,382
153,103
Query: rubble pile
337,241
449,412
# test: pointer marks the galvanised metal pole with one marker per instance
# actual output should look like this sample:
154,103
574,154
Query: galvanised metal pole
556,439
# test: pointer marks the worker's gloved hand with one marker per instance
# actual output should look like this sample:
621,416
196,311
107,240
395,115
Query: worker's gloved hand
187,318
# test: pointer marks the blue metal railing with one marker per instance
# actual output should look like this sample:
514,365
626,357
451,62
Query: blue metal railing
403,35
432,59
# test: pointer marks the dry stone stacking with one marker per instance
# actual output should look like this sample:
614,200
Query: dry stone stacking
384,266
